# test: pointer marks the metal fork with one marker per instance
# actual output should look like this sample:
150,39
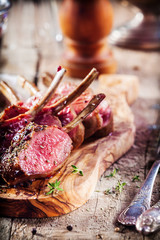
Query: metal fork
142,200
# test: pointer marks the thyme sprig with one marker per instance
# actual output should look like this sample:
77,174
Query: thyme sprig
76,170
54,187
120,186
117,189
108,191
112,174
136,178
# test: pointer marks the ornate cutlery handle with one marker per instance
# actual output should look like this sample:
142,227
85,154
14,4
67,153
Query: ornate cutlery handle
149,221
141,201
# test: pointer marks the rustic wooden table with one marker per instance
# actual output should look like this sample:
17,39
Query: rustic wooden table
29,48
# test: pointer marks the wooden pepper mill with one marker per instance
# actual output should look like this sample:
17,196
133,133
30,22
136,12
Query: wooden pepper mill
85,25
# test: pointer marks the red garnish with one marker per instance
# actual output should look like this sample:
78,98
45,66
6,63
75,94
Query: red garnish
59,68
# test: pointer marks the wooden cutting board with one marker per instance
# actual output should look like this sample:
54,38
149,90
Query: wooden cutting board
93,158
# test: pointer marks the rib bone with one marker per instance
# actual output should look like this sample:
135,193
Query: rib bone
24,83
66,100
95,101
45,99
46,78
8,93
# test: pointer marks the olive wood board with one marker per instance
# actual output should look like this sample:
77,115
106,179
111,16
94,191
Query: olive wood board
93,158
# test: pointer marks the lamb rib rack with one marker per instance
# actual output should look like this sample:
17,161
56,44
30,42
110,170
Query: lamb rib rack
54,106
58,103
38,151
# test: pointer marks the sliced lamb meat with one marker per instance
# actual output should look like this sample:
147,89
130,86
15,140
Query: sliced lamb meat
11,126
107,119
47,118
100,121
36,152
8,130
72,123
91,106
66,116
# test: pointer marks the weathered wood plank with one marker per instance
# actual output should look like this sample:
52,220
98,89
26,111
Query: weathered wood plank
5,228
145,66
97,218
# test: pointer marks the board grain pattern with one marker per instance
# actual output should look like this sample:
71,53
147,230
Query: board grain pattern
93,158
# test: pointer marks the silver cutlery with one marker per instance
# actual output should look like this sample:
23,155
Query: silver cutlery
141,201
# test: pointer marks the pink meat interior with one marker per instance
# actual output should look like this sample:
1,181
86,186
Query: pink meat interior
46,150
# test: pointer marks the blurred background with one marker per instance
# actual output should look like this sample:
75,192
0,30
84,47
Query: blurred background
34,41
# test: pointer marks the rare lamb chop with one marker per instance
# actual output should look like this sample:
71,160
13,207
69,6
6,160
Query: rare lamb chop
100,121
38,151
35,151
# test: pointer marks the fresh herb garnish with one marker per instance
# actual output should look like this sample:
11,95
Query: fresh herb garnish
41,146
112,174
136,178
120,186
76,170
54,187
107,191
